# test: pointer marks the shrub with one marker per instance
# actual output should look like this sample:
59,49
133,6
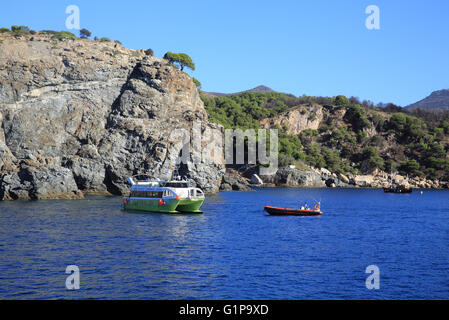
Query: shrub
356,116
445,126
413,128
372,158
285,160
389,165
341,101
4,30
308,135
332,158
104,39
314,157
397,122
20,30
289,144
197,83
48,32
149,52
63,35
410,167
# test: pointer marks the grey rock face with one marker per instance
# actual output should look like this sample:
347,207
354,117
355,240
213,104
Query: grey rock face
39,183
255,179
295,178
83,116
234,181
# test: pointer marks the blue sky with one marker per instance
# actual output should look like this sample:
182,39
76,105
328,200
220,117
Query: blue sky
302,47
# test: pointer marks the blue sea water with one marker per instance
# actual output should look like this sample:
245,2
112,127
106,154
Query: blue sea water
233,251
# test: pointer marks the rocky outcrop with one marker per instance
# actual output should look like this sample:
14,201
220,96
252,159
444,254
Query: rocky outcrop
380,179
295,178
256,180
319,178
233,180
40,183
297,119
80,116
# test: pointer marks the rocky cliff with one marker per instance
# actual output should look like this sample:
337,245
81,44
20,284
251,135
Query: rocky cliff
296,119
80,116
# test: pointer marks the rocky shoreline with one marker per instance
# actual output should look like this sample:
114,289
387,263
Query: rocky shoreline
321,178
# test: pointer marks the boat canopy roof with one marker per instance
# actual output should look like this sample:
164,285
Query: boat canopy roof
143,180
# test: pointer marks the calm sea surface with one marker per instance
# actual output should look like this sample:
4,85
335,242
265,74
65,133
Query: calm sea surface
233,251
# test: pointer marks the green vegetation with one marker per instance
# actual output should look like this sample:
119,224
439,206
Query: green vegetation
84,33
367,137
341,101
20,30
181,59
371,157
47,32
197,83
244,110
57,35
356,116
64,35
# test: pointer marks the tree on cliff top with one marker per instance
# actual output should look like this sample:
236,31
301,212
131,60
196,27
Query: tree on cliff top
182,59
84,33
19,30
341,101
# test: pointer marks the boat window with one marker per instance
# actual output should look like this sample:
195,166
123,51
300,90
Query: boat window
177,184
166,193
146,194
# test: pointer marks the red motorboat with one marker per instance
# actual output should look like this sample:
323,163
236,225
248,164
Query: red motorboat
275,211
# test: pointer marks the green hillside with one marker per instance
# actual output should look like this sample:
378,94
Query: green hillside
353,136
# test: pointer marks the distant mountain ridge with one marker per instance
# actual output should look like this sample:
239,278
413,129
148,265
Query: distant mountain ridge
261,88
436,100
